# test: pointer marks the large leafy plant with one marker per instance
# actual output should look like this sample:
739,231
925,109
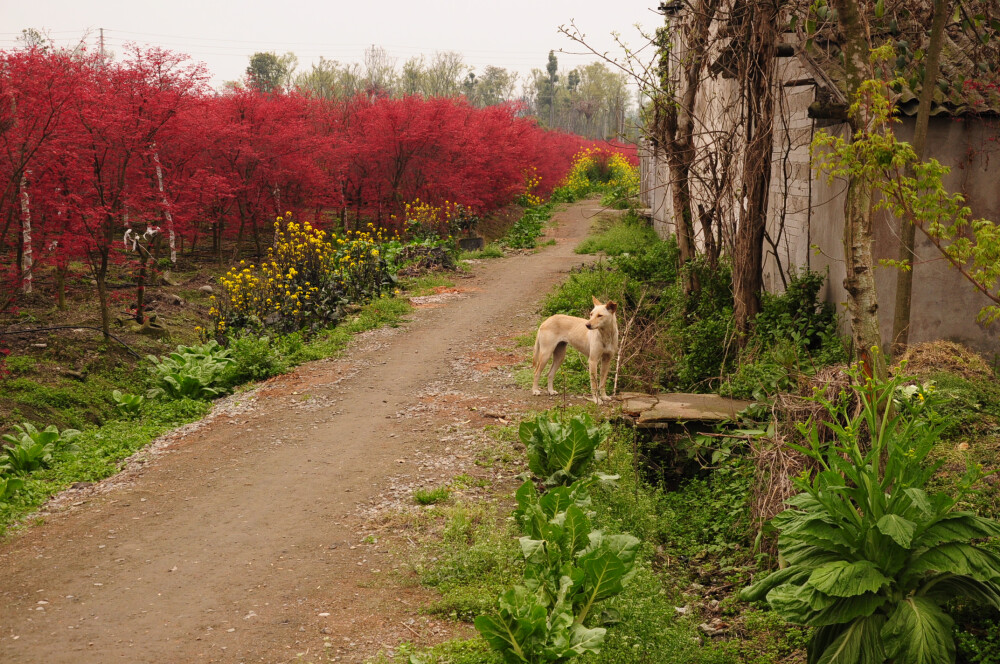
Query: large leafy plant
195,372
870,557
569,568
561,449
30,449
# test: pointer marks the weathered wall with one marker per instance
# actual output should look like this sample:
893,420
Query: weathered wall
944,303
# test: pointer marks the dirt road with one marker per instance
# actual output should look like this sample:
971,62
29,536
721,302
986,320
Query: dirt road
238,540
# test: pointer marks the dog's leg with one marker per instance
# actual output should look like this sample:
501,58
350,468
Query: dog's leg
605,368
594,365
539,360
558,355
539,363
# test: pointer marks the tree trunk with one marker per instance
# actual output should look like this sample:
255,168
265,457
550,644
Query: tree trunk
26,264
862,299
61,270
748,257
166,208
907,231
678,139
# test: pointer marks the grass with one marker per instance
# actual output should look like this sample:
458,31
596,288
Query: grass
614,236
492,250
475,559
101,451
426,283
430,496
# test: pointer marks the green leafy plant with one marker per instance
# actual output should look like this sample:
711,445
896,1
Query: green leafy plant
871,559
194,372
28,433
128,404
255,357
31,449
569,568
560,450
9,486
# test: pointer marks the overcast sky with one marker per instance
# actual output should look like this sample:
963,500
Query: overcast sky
515,34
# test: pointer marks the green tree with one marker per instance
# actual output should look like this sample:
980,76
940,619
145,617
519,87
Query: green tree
267,72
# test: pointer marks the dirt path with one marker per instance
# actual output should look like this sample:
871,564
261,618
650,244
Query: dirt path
239,540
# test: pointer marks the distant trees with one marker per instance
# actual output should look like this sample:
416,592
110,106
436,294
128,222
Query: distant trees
589,100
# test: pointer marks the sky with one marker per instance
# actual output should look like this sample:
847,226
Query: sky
515,34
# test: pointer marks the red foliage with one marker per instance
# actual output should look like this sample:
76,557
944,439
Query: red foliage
85,136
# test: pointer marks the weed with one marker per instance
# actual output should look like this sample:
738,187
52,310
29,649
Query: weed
254,358
475,560
430,496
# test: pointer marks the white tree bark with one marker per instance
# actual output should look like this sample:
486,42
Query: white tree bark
166,207
25,234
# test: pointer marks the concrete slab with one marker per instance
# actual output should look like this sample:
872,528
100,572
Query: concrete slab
649,410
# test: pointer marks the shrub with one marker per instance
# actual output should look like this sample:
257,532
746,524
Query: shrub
800,315
872,559
304,281
254,358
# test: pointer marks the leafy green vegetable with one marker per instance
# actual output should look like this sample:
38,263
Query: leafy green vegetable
559,450
569,567
31,449
128,404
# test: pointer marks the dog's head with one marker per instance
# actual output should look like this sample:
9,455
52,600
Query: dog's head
602,314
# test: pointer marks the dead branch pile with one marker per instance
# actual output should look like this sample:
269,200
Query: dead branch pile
776,463
945,356
422,259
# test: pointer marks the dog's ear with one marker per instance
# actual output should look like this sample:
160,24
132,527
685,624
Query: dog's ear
597,302
611,306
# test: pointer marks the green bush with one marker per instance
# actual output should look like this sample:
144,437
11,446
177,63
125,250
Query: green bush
574,297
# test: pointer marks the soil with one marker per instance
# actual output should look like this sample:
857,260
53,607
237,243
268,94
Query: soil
247,537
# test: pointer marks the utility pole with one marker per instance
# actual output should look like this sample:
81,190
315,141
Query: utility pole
102,45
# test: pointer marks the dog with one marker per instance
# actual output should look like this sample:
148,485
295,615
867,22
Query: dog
596,337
